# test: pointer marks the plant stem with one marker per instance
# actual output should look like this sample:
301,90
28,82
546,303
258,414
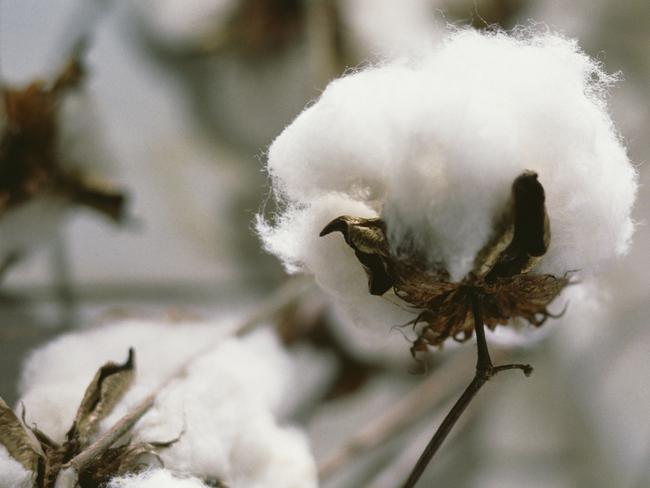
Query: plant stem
407,411
484,371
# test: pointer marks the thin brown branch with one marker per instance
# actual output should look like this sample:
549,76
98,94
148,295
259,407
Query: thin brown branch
283,297
394,470
408,411
484,371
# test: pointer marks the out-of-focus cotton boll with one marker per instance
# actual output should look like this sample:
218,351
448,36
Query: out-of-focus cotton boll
82,136
576,309
187,24
157,478
12,473
433,145
377,28
223,410
28,225
295,240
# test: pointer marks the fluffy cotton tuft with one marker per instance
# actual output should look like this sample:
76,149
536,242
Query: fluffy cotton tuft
224,409
432,146
157,478
12,473
185,24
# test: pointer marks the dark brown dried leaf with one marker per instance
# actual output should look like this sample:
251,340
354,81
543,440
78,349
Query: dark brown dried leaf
524,295
29,148
368,239
19,441
106,389
521,235
500,274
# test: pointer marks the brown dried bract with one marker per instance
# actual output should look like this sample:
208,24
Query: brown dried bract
30,155
45,458
19,442
500,276
106,389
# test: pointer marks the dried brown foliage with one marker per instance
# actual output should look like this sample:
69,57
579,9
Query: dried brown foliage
45,458
31,157
501,275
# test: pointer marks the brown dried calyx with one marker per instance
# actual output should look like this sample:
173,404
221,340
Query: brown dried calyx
500,277
45,458
30,156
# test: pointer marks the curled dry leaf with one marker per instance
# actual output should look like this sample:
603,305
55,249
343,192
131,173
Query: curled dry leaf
45,458
106,389
18,440
30,162
500,276
120,460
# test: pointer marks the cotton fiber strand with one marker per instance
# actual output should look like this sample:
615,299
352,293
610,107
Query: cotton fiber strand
223,412
433,145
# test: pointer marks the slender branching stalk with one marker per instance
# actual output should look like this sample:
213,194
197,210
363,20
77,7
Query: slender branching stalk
408,411
484,371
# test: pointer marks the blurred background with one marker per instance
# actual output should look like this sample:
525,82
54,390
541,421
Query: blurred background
180,100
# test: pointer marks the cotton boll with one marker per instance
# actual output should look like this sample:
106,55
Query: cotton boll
56,375
295,238
12,473
576,309
29,225
377,28
432,146
345,142
230,386
81,134
223,393
185,24
266,455
158,478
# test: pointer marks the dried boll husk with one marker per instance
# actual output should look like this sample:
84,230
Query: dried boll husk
38,184
219,417
44,458
501,275
431,146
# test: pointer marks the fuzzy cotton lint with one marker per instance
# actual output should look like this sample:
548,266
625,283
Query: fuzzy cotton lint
432,146
219,421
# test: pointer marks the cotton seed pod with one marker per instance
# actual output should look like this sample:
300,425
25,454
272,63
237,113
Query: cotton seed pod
438,150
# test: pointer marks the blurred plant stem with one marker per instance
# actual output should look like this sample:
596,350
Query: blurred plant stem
420,401
485,370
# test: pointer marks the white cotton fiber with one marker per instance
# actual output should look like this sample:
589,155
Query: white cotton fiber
433,145
223,411
12,473
378,29
156,478
185,24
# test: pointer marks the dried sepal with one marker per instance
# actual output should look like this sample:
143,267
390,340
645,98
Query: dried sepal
500,274
368,239
525,295
30,162
125,459
521,234
105,390
121,460
44,457
19,441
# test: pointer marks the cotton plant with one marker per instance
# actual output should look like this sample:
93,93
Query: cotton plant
49,161
215,424
467,186
156,478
